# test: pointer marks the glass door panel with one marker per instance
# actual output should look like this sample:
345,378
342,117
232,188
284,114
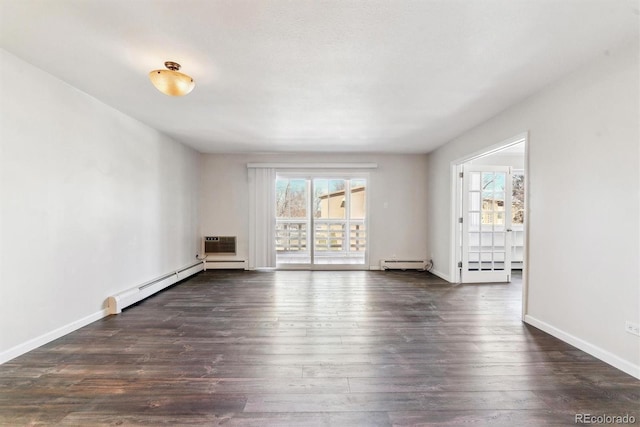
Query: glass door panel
486,249
330,220
292,221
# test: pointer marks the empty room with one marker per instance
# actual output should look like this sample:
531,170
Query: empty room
319,213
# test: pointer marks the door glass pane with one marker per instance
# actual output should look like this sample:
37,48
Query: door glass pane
291,198
499,181
517,201
358,238
487,221
474,260
498,198
498,260
474,221
474,200
292,221
475,181
330,198
358,198
474,241
339,210
488,180
329,237
486,240
320,198
357,215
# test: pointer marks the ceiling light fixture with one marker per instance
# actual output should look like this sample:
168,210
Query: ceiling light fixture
170,81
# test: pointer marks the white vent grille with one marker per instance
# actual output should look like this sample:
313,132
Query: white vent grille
386,264
219,245
234,264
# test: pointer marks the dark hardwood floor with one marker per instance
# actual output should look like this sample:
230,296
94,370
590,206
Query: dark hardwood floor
306,348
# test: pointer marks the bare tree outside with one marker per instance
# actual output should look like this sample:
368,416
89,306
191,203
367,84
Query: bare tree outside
517,209
291,198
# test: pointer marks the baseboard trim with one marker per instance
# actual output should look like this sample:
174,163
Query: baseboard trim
47,337
116,303
43,339
593,350
441,275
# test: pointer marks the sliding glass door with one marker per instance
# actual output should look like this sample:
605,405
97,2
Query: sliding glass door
321,221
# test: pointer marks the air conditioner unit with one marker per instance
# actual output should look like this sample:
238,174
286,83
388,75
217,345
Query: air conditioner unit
216,251
219,245
387,264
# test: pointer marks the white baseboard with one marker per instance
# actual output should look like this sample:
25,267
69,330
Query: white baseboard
374,267
594,350
43,339
116,303
441,275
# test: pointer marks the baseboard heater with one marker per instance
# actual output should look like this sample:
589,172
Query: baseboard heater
118,302
220,264
387,264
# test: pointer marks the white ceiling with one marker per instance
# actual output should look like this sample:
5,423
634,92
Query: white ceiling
314,75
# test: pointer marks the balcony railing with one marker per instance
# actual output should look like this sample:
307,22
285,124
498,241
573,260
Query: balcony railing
291,235
331,236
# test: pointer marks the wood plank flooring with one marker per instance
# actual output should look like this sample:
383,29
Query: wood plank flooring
325,348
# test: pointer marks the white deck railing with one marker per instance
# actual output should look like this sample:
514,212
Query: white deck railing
331,236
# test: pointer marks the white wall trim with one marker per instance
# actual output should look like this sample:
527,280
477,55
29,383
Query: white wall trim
527,213
587,347
455,210
313,165
43,339
47,337
493,149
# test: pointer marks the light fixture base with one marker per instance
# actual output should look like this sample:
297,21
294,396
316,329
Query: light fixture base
173,66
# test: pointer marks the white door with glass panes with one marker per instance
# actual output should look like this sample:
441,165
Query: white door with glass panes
486,224
320,221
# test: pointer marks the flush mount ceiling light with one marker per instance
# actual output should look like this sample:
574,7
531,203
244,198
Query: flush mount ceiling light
171,81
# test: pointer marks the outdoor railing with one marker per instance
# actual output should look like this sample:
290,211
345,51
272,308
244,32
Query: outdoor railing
331,235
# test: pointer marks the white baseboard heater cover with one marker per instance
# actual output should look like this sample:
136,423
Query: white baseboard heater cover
219,264
387,264
118,302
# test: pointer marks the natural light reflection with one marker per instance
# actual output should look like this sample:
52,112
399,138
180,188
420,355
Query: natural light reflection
310,306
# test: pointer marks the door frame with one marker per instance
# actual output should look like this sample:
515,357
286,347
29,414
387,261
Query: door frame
455,246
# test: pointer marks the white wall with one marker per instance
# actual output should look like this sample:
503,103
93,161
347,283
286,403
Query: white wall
399,183
584,187
92,202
